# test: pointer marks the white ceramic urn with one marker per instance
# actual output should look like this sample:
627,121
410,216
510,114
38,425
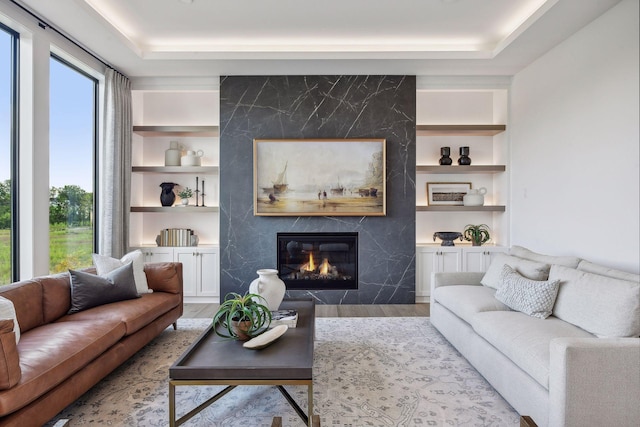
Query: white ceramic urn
172,155
192,158
474,197
269,286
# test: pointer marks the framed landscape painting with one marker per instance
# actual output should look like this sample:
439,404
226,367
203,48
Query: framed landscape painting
447,193
319,177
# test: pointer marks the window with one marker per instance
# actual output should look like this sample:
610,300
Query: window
8,155
72,170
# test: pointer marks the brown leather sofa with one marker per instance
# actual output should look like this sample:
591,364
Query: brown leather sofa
61,355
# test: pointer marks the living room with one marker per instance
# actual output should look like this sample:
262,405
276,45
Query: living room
571,140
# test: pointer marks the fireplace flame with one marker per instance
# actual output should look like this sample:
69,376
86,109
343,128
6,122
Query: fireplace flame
325,267
311,266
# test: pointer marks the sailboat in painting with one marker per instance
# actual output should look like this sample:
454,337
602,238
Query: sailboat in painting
280,185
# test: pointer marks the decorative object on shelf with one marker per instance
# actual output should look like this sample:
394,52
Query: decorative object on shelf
316,189
172,154
167,196
197,191
177,237
474,197
241,317
464,159
447,237
185,194
192,158
476,234
202,193
263,340
447,193
269,286
445,152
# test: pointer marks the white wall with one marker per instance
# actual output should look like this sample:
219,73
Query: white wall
574,135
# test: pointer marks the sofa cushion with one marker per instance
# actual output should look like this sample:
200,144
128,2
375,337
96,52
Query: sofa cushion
135,314
591,267
56,296
105,264
8,312
467,300
604,306
26,296
530,269
9,359
51,353
524,339
521,252
532,297
90,290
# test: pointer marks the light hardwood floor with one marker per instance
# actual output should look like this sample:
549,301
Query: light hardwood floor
194,311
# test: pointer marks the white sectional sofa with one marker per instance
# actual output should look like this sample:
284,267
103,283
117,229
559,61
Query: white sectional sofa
580,366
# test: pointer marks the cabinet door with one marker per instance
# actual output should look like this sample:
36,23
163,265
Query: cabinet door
478,258
188,258
158,254
434,259
447,259
208,276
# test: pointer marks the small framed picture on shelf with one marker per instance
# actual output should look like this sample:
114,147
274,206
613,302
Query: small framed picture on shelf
447,193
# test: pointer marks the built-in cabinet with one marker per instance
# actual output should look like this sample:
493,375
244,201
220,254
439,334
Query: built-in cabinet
476,119
190,119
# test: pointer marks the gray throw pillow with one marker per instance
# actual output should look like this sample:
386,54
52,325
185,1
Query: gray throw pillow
90,290
533,297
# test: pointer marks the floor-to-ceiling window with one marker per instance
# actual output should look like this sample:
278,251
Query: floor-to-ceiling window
8,148
72,151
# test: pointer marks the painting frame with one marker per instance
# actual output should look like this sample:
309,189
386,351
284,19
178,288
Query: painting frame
447,193
319,177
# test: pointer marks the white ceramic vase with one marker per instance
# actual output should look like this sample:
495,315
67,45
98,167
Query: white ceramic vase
474,197
172,155
269,286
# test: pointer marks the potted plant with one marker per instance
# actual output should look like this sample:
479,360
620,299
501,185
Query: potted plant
477,234
185,194
242,316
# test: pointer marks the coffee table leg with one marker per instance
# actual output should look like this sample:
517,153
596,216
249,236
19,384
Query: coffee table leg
310,397
172,405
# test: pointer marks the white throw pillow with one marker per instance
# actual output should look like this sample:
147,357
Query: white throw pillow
532,297
105,265
8,311
530,269
522,252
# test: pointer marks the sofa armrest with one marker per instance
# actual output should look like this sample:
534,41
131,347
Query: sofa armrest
594,381
164,276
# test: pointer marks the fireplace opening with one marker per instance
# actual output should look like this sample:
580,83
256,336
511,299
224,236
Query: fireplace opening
315,261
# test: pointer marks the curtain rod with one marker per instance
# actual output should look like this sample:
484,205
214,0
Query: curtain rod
42,23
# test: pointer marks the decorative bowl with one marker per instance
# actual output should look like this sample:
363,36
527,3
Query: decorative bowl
447,237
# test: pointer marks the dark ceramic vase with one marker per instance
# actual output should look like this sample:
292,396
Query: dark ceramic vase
445,160
167,196
464,159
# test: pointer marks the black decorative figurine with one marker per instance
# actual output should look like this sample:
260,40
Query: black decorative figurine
167,196
464,159
445,152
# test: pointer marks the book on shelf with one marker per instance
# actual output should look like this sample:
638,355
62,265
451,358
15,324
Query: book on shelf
284,317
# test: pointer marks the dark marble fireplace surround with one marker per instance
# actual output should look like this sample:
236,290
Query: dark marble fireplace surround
272,107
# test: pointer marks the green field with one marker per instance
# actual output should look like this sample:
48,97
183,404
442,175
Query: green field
69,248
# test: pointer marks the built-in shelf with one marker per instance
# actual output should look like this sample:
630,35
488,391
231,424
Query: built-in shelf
459,130
193,131
175,169
174,209
460,208
435,169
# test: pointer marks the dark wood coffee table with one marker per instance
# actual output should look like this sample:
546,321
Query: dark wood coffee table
212,360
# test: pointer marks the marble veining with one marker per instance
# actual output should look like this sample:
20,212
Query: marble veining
272,107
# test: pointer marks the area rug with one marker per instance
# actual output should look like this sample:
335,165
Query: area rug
367,372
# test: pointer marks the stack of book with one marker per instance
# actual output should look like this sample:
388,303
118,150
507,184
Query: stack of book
284,317
177,237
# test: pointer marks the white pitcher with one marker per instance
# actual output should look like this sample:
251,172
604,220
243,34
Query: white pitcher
269,286
474,197
192,158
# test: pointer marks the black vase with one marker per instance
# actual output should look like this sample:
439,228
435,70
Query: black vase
445,152
464,159
167,196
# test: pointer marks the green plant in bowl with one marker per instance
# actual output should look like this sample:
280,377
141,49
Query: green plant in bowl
477,234
242,317
185,193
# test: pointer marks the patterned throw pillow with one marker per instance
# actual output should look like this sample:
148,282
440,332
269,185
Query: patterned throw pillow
533,297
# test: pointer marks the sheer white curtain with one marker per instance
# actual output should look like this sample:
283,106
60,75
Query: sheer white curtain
115,189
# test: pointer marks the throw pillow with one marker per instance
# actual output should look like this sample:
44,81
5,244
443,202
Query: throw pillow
89,290
532,297
530,269
8,311
105,264
10,372
522,252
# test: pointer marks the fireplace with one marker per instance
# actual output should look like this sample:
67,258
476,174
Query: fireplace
315,261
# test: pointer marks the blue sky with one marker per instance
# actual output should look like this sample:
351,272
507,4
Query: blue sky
70,122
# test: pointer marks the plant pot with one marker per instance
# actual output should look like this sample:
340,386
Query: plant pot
240,329
185,202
